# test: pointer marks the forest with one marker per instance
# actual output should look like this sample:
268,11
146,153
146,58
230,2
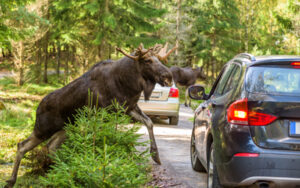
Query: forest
68,37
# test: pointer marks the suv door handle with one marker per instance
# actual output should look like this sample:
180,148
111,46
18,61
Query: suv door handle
214,104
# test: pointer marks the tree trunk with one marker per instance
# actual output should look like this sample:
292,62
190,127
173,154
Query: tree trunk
246,27
21,65
39,62
58,53
177,25
109,51
66,72
3,53
207,67
208,71
73,60
46,60
214,63
99,54
21,76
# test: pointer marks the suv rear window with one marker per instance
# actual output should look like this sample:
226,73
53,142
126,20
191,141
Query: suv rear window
273,80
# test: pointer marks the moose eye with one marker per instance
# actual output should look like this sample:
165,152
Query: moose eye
148,61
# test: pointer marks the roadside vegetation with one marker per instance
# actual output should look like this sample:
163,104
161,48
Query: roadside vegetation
16,123
100,150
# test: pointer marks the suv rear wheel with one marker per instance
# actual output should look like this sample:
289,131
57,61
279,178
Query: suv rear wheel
173,120
212,174
196,164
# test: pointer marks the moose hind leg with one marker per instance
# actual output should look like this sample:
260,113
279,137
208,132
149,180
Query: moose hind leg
53,144
23,147
140,116
56,141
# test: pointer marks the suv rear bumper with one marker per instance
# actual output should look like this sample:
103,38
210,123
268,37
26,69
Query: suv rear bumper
279,169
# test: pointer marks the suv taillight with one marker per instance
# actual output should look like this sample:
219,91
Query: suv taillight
174,92
296,65
238,114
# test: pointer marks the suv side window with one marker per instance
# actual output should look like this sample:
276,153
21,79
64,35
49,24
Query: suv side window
223,80
233,80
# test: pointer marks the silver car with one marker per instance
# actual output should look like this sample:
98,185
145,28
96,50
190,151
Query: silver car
163,103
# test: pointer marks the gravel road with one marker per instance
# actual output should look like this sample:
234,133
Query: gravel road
173,143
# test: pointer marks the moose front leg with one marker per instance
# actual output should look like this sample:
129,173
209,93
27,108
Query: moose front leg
138,115
187,97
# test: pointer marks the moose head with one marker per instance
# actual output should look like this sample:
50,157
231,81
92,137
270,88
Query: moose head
150,63
200,73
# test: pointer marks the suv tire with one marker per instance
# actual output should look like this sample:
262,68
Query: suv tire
196,164
212,174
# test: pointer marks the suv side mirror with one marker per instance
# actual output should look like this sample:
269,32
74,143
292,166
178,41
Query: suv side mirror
197,92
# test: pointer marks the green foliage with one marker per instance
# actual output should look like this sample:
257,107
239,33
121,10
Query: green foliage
111,21
8,85
99,152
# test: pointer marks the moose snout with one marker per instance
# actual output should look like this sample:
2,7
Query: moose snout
167,79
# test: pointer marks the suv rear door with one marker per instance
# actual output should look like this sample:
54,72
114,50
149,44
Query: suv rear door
274,89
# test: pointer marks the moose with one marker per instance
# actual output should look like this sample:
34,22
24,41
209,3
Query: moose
123,81
187,77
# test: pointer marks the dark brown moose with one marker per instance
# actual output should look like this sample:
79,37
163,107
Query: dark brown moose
187,77
123,80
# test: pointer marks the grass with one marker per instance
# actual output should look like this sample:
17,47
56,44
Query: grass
16,123
9,86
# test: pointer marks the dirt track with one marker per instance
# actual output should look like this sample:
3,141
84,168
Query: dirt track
174,148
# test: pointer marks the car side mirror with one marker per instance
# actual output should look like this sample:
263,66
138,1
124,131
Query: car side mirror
197,92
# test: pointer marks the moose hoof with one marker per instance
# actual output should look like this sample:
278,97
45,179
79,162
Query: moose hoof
155,157
185,105
10,183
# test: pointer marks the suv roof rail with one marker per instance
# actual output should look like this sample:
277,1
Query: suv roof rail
246,55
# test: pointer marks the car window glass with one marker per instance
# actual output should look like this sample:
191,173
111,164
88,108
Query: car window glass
233,80
217,81
273,81
223,81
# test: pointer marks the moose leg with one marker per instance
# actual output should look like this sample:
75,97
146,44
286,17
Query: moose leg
23,147
57,139
187,97
53,144
138,115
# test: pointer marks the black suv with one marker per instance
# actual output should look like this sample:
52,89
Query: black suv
247,131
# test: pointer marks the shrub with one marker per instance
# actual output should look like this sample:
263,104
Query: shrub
99,152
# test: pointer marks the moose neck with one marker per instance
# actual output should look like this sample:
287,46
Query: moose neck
197,72
129,69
